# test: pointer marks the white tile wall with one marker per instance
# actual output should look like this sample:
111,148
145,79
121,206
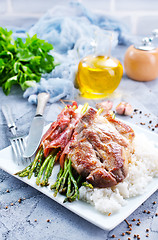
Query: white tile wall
141,16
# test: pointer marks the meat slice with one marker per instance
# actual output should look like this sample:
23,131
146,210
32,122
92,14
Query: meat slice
101,178
111,154
124,129
99,149
83,157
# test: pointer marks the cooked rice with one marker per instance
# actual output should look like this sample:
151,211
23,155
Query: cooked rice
142,168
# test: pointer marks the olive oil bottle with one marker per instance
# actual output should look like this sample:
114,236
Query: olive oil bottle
98,76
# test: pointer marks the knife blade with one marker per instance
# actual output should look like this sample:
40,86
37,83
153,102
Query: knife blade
37,125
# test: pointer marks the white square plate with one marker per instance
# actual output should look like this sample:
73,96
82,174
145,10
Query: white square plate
83,209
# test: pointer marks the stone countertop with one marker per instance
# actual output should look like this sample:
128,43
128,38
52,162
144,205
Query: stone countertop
17,218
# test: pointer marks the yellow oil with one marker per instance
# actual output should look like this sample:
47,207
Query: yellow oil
98,76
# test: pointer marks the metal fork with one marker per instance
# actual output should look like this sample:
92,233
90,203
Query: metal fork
18,142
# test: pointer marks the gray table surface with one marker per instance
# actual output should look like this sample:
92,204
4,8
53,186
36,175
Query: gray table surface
17,221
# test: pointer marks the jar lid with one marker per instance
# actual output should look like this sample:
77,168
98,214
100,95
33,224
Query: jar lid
146,45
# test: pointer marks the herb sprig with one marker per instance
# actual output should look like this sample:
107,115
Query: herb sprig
23,63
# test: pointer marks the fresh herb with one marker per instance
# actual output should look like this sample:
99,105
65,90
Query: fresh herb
21,62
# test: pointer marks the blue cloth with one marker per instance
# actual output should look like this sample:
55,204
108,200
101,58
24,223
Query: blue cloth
74,32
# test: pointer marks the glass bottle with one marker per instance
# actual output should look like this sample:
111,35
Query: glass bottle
99,74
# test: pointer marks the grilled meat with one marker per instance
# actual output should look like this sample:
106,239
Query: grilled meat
100,149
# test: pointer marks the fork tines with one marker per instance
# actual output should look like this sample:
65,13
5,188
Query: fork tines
18,145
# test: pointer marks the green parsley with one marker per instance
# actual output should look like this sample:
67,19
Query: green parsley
23,63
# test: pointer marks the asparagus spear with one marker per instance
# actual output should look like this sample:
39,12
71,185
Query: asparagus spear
46,161
34,163
24,172
48,171
39,163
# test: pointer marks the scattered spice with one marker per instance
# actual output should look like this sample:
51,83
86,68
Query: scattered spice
6,207
154,202
128,232
150,121
148,212
12,204
109,213
142,123
123,234
153,129
7,191
147,230
140,112
135,235
156,214
19,200
156,126
48,220
147,235
113,236
127,223
144,211
129,238
35,220
138,223
133,219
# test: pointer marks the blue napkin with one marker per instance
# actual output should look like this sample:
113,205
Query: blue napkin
73,30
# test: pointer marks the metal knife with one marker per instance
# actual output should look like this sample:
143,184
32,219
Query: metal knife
37,125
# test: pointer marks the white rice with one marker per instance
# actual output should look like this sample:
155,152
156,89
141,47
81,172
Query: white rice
143,167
